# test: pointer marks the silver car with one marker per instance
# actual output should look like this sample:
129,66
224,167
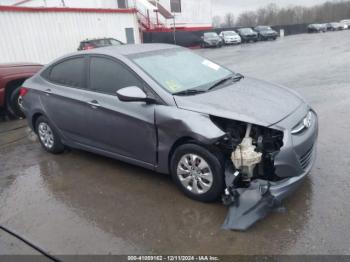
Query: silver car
168,109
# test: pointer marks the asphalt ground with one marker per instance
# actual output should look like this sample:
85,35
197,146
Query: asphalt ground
82,203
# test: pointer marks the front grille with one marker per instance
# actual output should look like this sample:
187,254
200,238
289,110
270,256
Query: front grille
306,158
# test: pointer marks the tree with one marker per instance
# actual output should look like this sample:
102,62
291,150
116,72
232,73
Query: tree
216,21
273,15
229,20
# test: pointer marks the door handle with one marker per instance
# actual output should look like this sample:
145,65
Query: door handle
48,92
94,104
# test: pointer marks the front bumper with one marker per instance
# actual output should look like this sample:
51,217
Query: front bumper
232,41
292,163
297,155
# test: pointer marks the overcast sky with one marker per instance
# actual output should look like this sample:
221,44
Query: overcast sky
221,7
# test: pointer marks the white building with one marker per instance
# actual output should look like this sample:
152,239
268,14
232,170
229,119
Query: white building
41,34
189,14
42,30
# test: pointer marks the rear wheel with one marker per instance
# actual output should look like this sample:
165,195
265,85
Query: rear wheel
197,172
48,136
13,102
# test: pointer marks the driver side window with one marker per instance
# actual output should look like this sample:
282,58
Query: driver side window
108,76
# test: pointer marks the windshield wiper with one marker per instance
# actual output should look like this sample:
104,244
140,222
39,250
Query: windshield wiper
235,78
189,92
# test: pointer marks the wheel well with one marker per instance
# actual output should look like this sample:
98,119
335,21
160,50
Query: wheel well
179,142
34,118
13,84
190,140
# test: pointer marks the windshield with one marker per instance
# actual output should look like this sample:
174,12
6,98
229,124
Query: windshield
229,33
246,30
178,69
263,28
210,35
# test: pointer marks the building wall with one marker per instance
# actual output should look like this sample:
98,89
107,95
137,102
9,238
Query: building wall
194,13
41,36
68,3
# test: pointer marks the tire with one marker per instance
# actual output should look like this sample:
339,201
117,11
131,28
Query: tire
12,103
208,171
48,136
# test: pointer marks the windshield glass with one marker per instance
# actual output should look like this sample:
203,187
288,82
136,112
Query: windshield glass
246,30
178,69
230,33
263,28
210,34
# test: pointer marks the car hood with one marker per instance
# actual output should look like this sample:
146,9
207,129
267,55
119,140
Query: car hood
212,38
249,100
231,36
268,32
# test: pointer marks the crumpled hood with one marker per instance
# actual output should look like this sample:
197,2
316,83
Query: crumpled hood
249,100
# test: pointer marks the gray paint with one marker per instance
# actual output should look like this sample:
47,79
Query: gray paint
144,134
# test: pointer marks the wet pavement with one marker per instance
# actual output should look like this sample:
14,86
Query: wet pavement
81,203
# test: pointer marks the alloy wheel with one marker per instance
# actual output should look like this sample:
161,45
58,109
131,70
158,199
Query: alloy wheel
195,174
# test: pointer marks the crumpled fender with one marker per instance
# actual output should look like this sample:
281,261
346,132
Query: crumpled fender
174,124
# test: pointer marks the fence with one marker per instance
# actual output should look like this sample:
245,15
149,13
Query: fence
193,38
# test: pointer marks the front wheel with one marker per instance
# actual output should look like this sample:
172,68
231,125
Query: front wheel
197,172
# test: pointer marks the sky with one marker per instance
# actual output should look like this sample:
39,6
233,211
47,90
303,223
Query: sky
221,7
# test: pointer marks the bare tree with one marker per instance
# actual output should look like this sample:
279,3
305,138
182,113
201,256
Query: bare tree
229,20
273,15
247,19
216,21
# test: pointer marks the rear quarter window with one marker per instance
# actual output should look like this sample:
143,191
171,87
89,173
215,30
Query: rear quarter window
70,72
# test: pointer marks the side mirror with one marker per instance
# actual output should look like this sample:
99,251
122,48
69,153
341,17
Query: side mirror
133,94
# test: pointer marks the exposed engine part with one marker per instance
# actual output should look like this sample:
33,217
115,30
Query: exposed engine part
267,141
245,158
250,152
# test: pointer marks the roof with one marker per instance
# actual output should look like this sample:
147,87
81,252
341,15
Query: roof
126,50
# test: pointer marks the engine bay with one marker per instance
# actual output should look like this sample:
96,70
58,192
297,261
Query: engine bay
249,155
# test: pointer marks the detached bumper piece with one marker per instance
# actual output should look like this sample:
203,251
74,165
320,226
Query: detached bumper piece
247,205
252,204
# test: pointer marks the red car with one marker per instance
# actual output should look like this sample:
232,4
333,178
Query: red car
11,78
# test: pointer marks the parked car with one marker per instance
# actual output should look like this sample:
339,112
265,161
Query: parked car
11,78
335,26
317,28
99,42
168,109
247,35
346,23
211,39
230,37
266,33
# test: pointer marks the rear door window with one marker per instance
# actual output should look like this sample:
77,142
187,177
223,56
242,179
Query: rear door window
108,76
70,72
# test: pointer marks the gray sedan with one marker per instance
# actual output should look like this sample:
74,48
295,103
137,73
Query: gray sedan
165,108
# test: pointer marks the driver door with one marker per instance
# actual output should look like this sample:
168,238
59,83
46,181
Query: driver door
123,128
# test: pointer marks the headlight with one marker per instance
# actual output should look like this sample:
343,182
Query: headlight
304,124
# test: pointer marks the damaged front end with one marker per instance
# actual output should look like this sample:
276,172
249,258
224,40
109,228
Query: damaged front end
250,151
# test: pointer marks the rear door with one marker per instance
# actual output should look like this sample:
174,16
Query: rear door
123,128
64,99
